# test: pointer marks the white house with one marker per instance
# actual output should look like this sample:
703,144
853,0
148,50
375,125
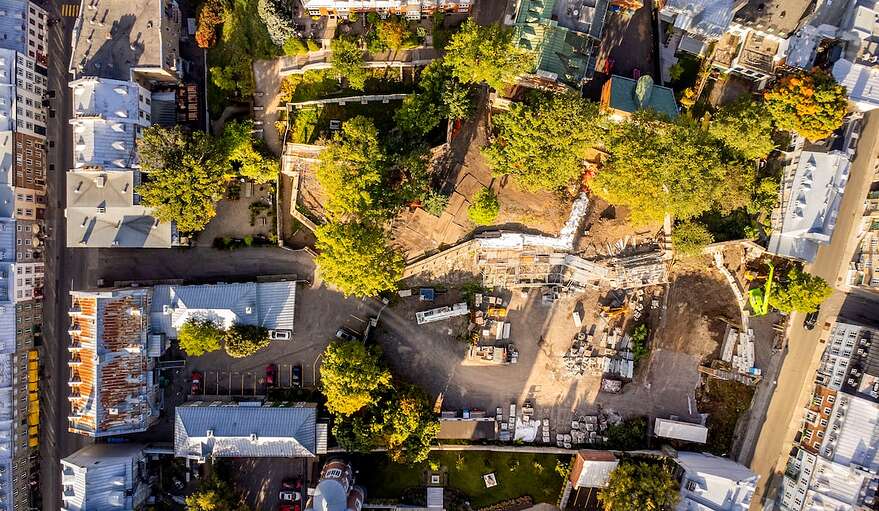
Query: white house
711,483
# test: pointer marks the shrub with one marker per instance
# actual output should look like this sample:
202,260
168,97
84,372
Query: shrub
294,46
690,238
245,340
435,203
312,45
484,207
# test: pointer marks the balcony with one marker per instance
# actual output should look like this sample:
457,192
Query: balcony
74,330
74,310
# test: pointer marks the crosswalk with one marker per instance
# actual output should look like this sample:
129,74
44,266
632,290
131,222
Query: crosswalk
71,10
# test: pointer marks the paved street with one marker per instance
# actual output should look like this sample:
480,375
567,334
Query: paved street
804,349
55,442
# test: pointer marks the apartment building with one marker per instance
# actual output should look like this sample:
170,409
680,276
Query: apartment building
835,460
105,476
137,48
411,9
23,81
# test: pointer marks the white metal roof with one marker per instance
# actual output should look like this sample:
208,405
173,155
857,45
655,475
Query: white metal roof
103,477
267,304
714,483
222,429
810,213
856,442
861,82
678,430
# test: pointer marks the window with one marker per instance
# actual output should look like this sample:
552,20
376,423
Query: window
827,410
820,434
823,423
831,399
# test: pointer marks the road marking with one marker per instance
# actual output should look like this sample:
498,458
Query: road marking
71,10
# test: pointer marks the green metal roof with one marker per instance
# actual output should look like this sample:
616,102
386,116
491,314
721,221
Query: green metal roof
623,97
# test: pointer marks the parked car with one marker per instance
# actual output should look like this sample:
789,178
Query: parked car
297,375
271,375
347,335
291,490
197,380
811,319
296,506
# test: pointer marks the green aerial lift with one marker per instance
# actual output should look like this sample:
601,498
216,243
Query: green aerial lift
759,297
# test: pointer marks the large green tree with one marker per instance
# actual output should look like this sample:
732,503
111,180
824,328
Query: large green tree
799,291
199,336
486,54
484,207
245,155
185,174
543,144
346,60
657,167
640,487
351,375
440,96
356,258
245,340
214,494
690,238
352,170
409,425
809,103
745,127
278,18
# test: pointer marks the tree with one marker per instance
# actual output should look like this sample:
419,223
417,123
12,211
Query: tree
355,258
744,127
312,45
347,62
294,46
435,203
243,155
245,340
236,78
351,374
185,176
543,145
478,53
410,426
351,171
210,14
199,336
629,435
214,494
392,32
800,292
657,167
811,104
440,96
278,18
638,487
689,238
484,207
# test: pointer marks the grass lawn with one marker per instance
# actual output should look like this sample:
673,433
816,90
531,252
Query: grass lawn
243,37
725,402
517,475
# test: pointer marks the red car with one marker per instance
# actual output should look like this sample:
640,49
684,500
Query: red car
197,379
296,506
271,375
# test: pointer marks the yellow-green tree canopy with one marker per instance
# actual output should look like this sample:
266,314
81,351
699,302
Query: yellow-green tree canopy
657,167
245,340
184,175
484,207
640,486
486,54
811,104
799,291
351,375
355,257
745,127
246,155
346,60
199,336
543,144
689,238
352,170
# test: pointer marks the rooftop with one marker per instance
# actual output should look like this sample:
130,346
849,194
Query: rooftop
854,433
222,429
861,82
112,100
626,96
111,377
776,17
592,469
705,18
113,37
467,429
679,430
104,477
267,304
836,485
12,25
714,483
809,216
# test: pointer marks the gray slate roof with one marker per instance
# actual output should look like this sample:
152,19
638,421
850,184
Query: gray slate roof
281,432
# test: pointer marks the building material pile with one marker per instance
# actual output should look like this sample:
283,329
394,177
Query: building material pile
611,356
738,351
440,313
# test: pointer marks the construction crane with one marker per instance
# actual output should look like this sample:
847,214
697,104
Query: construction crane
759,297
